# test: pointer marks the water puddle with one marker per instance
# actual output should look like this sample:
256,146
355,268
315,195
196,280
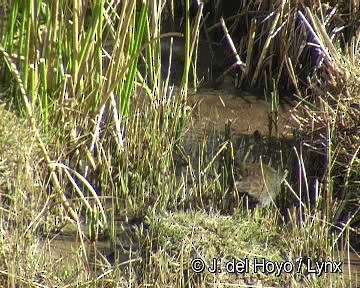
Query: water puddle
248,112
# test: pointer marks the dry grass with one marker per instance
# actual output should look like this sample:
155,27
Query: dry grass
82,141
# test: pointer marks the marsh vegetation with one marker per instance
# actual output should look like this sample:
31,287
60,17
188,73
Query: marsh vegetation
104,180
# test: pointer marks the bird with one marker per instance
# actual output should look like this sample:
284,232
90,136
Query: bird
261,182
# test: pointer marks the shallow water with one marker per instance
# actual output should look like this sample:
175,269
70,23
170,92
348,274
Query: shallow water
247,112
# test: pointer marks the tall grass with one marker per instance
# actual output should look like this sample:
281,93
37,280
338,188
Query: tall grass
101,132
100,139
